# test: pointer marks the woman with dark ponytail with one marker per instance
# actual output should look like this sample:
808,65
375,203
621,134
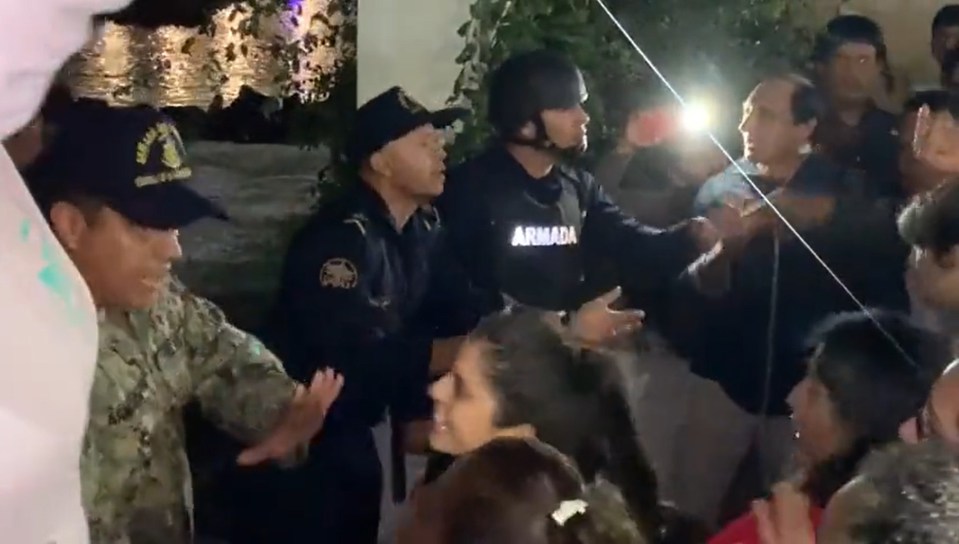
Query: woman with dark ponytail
519,491
518,375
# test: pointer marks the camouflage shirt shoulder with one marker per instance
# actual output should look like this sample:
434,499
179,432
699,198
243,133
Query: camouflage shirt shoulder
151,363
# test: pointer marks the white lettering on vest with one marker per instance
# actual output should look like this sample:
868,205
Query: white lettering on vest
544,236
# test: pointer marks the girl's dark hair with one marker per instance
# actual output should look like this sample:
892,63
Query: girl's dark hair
506,491
874,385
574,398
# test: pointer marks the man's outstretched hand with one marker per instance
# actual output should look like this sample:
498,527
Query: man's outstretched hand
596,323
303,419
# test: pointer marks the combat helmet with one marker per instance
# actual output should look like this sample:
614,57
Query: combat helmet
525,85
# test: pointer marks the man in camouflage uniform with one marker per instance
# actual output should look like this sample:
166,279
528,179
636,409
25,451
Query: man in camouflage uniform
112,186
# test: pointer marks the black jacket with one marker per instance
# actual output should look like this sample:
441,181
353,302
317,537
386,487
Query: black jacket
351,297
555,242
726,339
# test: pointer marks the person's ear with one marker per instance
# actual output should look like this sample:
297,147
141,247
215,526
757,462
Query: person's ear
380,163
68,224
528,131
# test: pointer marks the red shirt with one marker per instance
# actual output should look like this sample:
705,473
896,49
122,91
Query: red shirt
744,530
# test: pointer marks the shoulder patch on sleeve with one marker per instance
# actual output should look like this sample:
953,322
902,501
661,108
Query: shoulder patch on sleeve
339,273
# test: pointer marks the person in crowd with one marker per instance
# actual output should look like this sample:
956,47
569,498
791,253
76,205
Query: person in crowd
859,390
907,493
785,149
936,138
750,340
352,286
918,176
850,58
930,224
939,417
516,490
518,375
944,32
112,184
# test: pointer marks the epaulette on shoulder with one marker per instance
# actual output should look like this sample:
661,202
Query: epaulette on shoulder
430,215
358,220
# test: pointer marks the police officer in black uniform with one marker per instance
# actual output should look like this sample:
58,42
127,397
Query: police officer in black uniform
352,287
523,223
526,226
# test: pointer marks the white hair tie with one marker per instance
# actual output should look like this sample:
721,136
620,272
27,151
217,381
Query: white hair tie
568,509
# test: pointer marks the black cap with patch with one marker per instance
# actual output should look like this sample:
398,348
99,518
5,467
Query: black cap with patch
131,158
390,116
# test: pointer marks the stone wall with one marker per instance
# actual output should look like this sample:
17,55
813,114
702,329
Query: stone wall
267,189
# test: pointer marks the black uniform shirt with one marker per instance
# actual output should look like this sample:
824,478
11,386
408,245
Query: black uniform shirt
350,298
871,147
555,242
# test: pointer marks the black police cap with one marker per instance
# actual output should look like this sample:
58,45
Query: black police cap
390,116
131,158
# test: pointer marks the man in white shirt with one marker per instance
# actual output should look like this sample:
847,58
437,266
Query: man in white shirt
48,343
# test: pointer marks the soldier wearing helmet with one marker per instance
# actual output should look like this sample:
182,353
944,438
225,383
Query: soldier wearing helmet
526,225
523,222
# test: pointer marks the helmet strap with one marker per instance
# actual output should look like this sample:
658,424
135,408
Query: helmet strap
542,142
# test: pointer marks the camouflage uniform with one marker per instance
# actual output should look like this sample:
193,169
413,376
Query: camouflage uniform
136,478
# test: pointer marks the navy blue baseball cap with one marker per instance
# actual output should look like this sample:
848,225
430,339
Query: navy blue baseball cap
390,116
131,158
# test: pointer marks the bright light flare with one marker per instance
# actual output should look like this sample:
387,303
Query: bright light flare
697,117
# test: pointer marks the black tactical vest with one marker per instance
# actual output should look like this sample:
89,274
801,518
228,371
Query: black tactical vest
538,259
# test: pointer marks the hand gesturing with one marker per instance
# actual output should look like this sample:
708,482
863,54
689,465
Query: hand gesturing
303,419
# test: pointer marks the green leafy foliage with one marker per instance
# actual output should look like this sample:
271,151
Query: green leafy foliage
701,46
327,96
